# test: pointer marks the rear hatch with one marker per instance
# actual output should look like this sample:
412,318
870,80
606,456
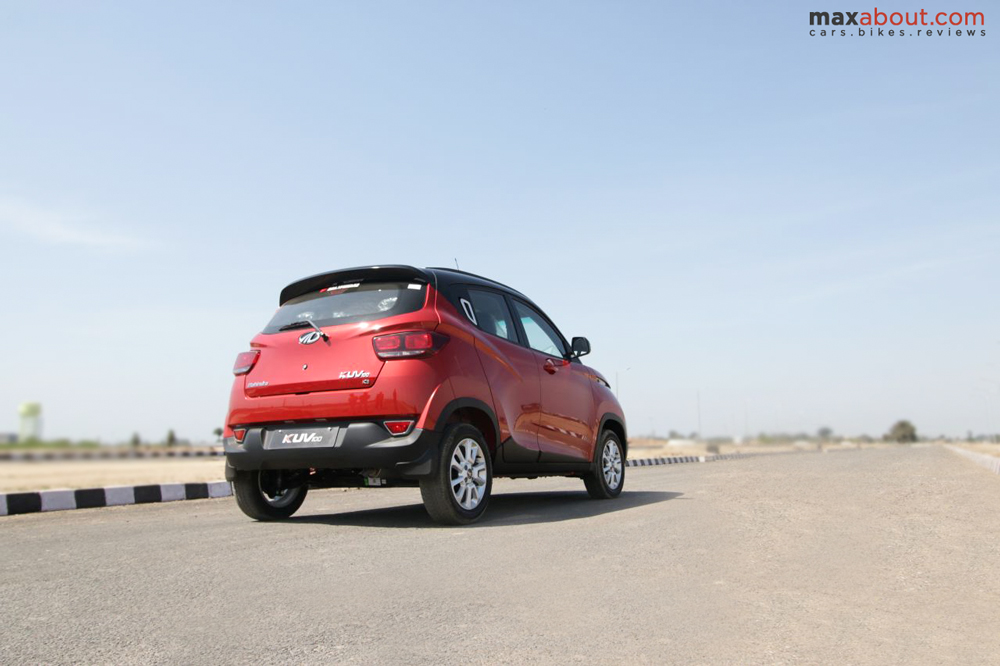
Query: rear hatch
322,340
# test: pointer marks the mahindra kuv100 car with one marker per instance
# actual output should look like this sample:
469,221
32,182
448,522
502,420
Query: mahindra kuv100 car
437,378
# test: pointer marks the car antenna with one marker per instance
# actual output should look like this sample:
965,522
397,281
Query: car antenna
456,264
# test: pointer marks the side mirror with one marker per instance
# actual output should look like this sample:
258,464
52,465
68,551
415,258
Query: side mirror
581,347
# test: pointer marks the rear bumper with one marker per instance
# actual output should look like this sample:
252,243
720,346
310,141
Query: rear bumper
360,446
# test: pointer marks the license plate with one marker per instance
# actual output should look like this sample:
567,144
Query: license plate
300,438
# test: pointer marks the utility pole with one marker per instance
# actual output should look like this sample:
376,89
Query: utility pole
698,404
616,379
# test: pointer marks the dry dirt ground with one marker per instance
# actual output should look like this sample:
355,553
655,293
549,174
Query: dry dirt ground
49,474
982,447
872,556
650,448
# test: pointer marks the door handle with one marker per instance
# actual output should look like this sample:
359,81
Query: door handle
551,366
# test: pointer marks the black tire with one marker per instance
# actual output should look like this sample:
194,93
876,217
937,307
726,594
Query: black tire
257,504
436,490
597,481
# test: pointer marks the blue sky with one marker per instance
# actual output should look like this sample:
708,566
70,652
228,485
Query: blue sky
805,231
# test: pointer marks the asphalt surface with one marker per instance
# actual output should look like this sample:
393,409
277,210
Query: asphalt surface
871,556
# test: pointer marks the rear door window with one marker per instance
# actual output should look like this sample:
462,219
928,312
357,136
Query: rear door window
490,313
350,303
541,336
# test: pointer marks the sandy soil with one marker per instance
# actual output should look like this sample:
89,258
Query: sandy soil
650,448
44,475
978,447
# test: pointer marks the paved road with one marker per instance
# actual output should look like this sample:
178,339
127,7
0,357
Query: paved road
872,556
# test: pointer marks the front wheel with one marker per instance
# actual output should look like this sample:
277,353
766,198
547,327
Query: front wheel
260,495
459,489
608,477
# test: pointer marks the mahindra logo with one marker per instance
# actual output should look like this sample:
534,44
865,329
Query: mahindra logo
302,438
309,338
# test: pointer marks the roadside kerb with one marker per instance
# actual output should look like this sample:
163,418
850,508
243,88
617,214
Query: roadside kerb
991,463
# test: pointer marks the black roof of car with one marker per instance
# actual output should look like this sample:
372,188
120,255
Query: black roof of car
449,276
439,277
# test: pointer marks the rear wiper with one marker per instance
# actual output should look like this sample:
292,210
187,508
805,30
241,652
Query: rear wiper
303,324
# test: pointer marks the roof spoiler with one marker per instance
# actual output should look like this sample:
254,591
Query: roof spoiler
380,273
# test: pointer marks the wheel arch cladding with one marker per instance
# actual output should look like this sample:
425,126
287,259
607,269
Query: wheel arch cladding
475,413
613,423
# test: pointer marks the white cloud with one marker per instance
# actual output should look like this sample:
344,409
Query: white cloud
61,227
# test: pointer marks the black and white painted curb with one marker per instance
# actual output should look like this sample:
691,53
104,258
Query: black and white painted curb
107,454
677,460
991,463
89,498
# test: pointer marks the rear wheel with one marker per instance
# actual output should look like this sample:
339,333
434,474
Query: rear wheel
459,489
260,495
608,476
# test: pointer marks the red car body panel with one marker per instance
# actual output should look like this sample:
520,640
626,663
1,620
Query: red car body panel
568,423
509,374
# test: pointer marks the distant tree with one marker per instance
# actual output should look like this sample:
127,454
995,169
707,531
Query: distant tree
824,433
902,431
673,434
136,440
693,435
171,438
218,434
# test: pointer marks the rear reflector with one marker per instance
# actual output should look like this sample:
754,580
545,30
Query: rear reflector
245,362
239,434
410,344
398,427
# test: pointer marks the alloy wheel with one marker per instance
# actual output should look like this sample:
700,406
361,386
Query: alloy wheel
468,474
612,464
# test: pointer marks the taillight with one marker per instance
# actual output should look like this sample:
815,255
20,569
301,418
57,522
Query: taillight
410,344
239,434
245,361
397,427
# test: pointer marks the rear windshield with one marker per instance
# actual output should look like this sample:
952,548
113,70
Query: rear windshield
350,303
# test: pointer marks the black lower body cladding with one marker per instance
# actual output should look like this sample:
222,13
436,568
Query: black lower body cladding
341,445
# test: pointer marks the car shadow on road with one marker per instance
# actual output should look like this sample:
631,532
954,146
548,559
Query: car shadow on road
505,509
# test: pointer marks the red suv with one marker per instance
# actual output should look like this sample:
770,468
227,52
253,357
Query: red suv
394,375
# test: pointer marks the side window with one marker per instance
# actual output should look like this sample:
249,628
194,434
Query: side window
490,313
541,336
